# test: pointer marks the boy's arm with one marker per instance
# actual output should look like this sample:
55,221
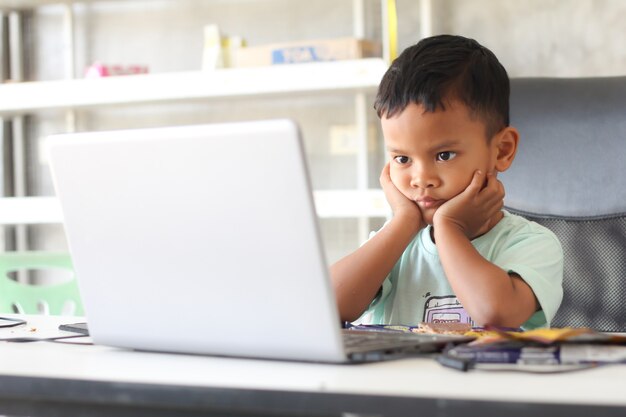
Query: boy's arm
357,277
488,293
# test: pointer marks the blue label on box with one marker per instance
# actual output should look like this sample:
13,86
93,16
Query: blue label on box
295,55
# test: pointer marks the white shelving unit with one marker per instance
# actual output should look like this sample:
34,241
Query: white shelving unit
357,77
329,204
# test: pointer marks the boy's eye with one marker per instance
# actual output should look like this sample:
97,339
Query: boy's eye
445,156
401,159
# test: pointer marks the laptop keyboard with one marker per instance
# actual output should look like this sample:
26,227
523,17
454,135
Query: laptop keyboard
361,341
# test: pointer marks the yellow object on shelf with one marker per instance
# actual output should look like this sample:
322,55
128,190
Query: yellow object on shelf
392,27
219,50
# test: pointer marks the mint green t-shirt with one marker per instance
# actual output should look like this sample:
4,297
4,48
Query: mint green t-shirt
417,289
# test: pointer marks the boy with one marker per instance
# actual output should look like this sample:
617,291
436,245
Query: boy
450,253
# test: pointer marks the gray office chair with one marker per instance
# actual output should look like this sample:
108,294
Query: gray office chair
569,175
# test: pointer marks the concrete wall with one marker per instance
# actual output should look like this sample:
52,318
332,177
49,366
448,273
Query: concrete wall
555,38
531,38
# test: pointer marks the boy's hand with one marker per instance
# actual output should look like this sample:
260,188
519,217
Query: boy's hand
474,210
400,204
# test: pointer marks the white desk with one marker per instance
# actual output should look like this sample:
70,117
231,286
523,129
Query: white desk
36,378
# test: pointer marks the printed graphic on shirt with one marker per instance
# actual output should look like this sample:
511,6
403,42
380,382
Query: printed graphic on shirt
445,309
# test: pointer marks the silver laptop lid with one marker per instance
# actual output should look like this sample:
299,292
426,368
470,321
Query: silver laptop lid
198,239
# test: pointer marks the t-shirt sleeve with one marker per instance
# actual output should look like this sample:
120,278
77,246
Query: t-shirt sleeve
537,257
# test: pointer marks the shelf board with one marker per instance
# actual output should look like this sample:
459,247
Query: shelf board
311,78
25,4
32,4
329,204
351,203
30,210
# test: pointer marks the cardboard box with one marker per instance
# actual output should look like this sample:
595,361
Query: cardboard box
306,51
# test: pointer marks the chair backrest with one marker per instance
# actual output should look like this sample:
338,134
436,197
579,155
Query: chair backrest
569,176
26,298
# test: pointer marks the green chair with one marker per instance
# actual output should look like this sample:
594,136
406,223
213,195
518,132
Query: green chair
52,299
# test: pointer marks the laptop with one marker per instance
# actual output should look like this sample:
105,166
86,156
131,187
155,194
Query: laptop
204,240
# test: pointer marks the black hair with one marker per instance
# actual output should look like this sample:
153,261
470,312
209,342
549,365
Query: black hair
442,68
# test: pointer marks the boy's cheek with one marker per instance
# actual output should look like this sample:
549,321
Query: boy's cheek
397,181
398,176
394,176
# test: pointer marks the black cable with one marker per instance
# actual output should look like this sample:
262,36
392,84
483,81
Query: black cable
13,322
26,339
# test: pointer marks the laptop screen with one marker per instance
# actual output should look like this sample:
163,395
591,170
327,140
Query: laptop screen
198,239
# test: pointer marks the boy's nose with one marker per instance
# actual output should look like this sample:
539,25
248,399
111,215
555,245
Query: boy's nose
424,179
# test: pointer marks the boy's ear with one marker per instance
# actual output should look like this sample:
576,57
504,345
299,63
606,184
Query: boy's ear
506,145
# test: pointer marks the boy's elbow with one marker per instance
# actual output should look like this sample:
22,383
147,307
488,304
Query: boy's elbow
498,316
505,310
348,307
497,320
348,314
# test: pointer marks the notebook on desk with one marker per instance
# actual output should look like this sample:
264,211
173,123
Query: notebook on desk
204,240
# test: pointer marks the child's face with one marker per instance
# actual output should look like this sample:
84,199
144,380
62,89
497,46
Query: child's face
434,155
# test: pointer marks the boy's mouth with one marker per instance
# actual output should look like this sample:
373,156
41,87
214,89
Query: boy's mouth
429,202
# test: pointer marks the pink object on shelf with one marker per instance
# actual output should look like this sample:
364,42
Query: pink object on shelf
98,70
